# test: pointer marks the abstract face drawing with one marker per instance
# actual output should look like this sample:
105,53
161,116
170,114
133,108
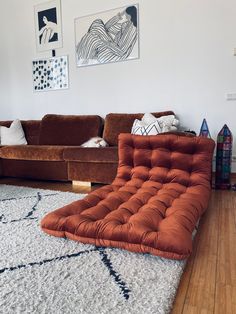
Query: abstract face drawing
48,28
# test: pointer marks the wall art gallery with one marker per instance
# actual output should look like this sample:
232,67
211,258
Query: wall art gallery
104,37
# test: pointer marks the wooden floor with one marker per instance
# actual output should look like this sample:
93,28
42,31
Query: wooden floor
208,284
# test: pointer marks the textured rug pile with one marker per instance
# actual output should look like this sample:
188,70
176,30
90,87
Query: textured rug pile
44,274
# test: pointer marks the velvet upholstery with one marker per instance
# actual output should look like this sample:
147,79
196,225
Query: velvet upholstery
91,154
56,138
91,164
46,162
116,123
35,169
69,130
161,190
1,168
99,172
33,152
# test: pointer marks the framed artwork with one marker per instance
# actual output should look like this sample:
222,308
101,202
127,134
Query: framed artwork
50,74
48,25
109,36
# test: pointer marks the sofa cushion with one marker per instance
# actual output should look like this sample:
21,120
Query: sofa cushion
91,154
69,130
116,123
35,169
31,129
32,152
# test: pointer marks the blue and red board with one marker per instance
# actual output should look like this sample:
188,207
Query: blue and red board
223,159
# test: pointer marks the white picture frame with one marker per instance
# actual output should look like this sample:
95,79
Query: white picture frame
108,36
48,27
50,74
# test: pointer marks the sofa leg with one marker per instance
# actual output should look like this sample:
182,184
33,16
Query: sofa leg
81,183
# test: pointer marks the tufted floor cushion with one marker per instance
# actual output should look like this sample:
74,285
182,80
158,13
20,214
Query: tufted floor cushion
161,190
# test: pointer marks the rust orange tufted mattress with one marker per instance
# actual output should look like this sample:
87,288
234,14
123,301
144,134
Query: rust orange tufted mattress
161,190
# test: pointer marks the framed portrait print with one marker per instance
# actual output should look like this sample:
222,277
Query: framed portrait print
50,74
108,36
48,28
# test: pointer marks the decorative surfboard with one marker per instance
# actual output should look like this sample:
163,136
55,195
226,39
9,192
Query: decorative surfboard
204,131
223,159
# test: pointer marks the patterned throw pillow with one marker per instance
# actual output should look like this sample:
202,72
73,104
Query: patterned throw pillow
141,128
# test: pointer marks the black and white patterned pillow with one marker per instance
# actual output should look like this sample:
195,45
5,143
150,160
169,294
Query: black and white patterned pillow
140,128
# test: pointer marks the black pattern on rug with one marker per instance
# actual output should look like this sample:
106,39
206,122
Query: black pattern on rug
23,198
30,213
125,291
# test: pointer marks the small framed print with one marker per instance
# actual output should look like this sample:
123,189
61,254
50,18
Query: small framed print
108,36
50,74
48,27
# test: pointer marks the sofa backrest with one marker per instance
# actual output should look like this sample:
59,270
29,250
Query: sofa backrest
31,129
70,130
116,123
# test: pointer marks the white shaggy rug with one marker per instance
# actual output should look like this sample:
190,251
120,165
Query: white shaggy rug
43,274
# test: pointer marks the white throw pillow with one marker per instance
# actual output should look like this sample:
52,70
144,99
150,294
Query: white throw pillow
148,118
168,123
13,135
140,128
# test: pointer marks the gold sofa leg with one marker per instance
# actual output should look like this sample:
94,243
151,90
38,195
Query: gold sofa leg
81,183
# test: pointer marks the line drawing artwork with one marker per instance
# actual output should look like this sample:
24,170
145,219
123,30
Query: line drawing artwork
48,25
48,32
109,39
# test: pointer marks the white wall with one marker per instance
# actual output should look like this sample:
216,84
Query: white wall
186,63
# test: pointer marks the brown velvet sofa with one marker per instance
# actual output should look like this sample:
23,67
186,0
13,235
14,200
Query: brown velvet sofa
54,153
